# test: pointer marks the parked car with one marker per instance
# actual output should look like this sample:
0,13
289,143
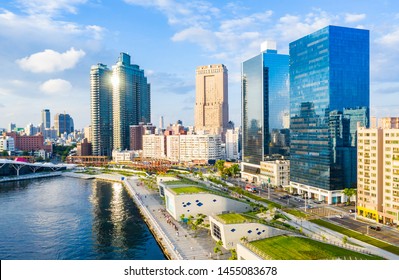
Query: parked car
352,211
376,228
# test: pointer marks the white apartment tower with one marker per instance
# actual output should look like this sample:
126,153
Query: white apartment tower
378,174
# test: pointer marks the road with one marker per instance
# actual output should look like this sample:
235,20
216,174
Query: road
386,234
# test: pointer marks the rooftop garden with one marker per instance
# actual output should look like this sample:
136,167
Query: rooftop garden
181,181
189,190
299,248
232,218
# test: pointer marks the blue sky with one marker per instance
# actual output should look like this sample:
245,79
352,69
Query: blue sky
48,46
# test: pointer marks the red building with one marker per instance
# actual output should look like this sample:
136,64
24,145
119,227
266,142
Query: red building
84,148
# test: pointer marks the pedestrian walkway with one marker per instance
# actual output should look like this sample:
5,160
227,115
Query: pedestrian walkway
187,244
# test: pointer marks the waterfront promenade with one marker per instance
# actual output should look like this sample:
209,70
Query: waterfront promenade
177,241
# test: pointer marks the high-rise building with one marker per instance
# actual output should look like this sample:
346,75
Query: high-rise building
329,71
378,173
46,121
211,99
131,100
63,123
101,110
265,102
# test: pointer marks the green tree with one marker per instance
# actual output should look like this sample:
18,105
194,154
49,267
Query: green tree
234,169
349,192
4,153
219,164
344,239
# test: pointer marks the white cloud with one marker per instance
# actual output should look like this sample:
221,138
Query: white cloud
56,86
185,13
25,31
391,39
292,27
349,18
50,61
246,21
204,38
49,7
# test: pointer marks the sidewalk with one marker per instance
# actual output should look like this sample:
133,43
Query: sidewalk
185,242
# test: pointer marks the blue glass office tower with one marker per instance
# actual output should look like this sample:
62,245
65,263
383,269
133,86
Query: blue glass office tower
265,104
329,71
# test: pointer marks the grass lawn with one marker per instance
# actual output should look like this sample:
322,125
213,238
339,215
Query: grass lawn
232,218
181,181
189,190
350,233
299,248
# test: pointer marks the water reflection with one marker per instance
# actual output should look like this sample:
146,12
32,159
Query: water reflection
66,218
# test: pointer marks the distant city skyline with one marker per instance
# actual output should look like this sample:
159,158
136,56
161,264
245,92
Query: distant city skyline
47,49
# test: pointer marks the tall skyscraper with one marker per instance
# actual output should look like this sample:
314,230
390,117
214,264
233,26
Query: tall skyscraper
101,110
265,102
63,123
131,100
46,118
211,99
329,71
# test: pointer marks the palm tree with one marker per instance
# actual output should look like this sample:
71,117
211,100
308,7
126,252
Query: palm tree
244,239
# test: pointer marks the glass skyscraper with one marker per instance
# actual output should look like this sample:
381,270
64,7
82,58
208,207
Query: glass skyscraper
131,100
101,110
265,105
329,94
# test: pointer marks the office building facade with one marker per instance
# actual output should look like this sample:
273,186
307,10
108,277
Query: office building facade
329,71
265,103
211,99
63,123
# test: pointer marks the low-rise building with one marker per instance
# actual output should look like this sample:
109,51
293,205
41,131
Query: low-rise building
7,144
276,172
200,148
183,200
123,156
231,228
154,146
